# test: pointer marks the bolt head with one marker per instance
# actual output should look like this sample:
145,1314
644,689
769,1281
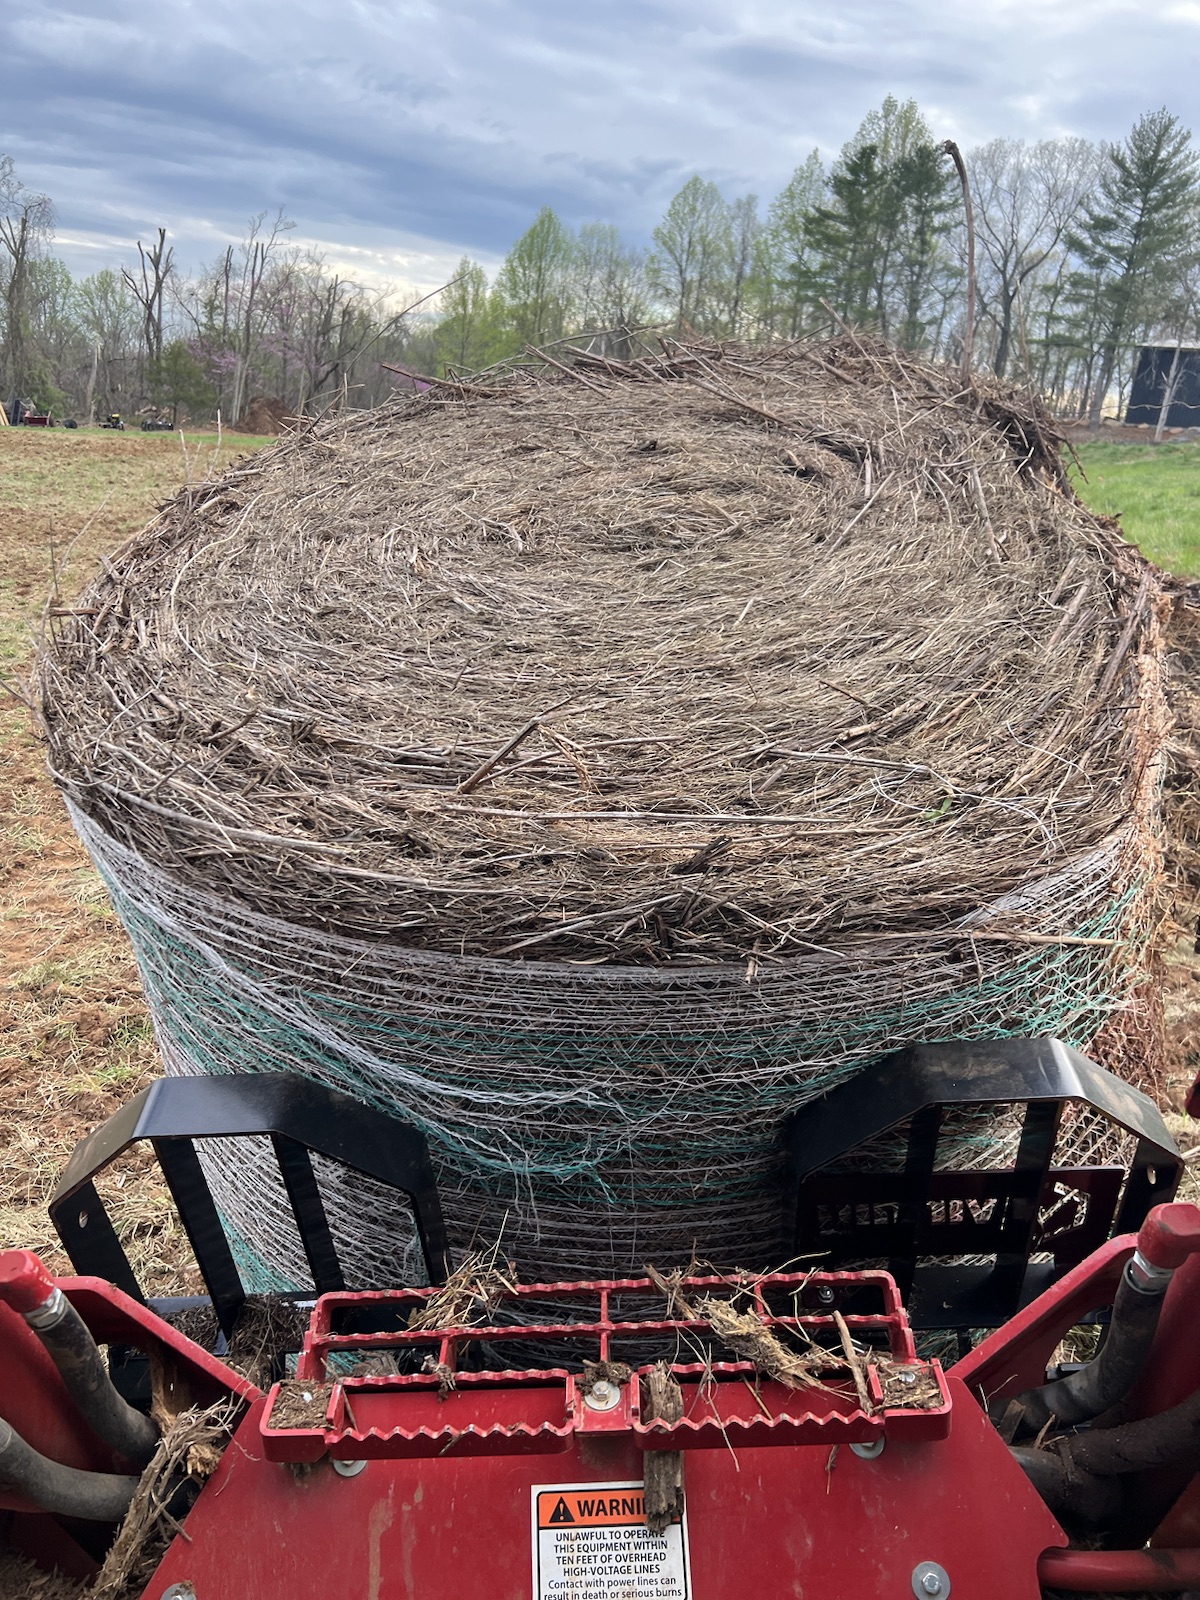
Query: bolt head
930,1581
349,1469
825,1295
602,1396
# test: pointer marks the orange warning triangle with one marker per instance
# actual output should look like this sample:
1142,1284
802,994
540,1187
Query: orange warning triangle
561,1512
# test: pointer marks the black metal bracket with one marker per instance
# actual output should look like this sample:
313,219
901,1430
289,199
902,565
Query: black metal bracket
917,1215
299,1117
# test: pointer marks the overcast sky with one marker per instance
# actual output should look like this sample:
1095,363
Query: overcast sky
402,134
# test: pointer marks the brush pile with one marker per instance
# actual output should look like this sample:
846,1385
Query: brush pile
596,761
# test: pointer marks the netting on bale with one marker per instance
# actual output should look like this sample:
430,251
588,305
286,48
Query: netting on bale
594,765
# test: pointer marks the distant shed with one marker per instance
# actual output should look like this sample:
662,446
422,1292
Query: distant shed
1150,379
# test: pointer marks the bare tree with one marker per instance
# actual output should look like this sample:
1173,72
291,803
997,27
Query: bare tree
1178,320
258,251
26,222
148,288
744,231
1027,200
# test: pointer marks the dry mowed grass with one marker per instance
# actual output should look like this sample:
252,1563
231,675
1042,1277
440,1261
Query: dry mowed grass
75,1040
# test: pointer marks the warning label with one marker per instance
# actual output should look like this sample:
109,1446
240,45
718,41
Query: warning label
591,1542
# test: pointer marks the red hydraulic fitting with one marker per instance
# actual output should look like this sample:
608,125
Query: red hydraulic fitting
1169,1235
25,1284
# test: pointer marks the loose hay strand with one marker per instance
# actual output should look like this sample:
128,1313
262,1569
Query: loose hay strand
191,1447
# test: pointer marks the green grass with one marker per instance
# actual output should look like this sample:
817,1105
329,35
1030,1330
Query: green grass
1155,490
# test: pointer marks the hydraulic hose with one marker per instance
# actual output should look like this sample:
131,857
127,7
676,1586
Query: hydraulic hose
94,1496
1075,1497
28,1288
1171,1438
1078,1476
1168,1236
1108,1378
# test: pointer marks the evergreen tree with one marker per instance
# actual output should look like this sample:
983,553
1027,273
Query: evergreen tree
178,380
924,206
1132,239
848,240
876,250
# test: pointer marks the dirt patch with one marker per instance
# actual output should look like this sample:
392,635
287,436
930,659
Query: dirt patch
1125,433
267,416
300,1405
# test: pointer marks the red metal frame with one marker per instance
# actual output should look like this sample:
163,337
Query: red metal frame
445,1460
1120,1571
35,1399
811,1520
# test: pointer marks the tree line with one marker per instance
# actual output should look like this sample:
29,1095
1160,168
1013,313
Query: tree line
1084,251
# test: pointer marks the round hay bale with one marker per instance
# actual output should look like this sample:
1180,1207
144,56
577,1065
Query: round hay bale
592,766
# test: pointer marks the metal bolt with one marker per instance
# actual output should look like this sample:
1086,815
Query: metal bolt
349,1469
179,1591
602,1396
825,1295
869,1451
930,1582
906,1377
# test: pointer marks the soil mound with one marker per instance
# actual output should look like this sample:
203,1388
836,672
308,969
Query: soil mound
266,416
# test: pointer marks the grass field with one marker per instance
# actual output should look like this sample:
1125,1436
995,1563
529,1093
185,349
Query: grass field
1155,490
75,1040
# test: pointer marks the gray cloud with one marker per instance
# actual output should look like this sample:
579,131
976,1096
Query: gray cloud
420,129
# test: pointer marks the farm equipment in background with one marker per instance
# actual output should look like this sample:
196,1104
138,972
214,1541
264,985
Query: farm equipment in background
114,421
156,425
25,414
665,1436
